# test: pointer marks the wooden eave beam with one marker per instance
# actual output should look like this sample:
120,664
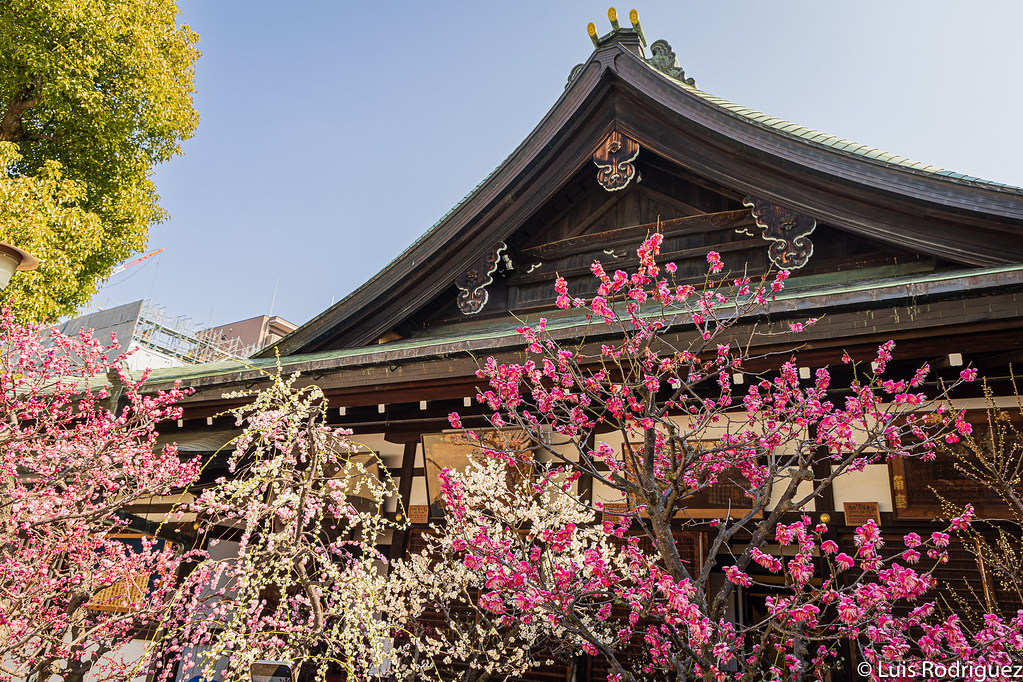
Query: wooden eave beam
929,303
973,330
625,236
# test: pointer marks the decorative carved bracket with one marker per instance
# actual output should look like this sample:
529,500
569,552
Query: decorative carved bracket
788,231
614,158
472,284
663,59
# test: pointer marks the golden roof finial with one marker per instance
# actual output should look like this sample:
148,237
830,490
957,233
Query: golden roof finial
591,29
612,14
634,19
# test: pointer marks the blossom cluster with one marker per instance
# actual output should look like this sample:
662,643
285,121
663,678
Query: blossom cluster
75,580
667,378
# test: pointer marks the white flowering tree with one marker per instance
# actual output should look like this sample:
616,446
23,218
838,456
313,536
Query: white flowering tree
301,584
446,627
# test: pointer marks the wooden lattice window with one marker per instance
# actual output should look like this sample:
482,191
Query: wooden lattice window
713,501
454,450
129,590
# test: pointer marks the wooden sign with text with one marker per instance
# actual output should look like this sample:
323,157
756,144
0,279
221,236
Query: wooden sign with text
857,513
613,511
419,513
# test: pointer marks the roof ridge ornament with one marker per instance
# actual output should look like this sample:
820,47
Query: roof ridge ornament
663,59
631,39
618,34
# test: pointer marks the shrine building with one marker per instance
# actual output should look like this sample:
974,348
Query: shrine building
880,247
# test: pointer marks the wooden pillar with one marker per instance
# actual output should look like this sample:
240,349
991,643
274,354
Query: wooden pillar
585,484
822,469
399,540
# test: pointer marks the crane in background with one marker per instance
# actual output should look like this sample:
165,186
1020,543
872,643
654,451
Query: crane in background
127,264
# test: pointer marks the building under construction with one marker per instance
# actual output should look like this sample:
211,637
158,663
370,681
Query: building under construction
152,338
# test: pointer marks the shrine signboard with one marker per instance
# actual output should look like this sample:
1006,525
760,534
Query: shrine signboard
858,513
419,513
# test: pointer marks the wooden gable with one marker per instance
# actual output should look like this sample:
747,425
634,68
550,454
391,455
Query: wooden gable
627,150
584,224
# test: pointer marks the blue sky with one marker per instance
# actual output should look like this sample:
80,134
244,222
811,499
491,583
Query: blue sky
334,133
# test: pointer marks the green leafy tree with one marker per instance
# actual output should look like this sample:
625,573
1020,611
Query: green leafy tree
93,94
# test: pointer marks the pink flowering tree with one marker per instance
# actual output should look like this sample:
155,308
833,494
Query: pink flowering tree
649,414
291,571
72,587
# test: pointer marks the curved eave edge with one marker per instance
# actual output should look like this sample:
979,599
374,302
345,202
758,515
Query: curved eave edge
831,143
427,244
844,189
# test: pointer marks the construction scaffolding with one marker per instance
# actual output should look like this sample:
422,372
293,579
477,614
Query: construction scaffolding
180,338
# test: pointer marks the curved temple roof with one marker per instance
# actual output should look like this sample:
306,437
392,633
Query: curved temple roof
851,187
